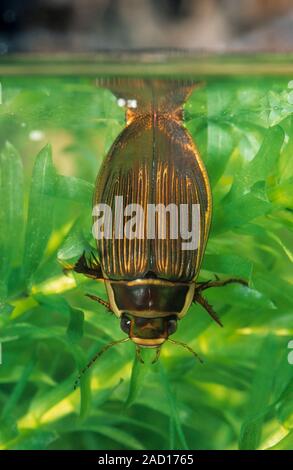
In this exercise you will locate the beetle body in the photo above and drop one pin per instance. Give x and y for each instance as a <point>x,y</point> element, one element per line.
<point>153,161</point>
<point>151,281</point>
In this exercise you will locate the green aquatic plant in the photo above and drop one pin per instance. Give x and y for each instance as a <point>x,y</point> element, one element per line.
<point>241,397</point>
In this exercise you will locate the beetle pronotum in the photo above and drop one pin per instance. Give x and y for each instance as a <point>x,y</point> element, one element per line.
<point>151,283</point>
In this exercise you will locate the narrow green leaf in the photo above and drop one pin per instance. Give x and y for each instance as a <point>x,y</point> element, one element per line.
<point>54,302</point>
<point>74,244</point>
<point>73,336</point>
<point>174,416</point>
<point>16,393</point>
<point>46,400</point>
<point>230,264</point>
<point>238,213</point>
<point>85,396</point>
<point>6,309</point>
<point>33,440</point>
<point>75,326</point>
<point>8,429</point>
<point>40,212</point>
<point>285,405</point>
<point>138,376</point>
<point>260,394</point>
<point>263,164</point>
<point>220,146</point>
<point>125,439</point>
<point>75,189</point>
<point>11,211</point>
<point>284,444</point>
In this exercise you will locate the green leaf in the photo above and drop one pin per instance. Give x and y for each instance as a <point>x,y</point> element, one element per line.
<point>174,416</point>
<point>45,400</point>
<point>16,393</point>
<point>260,394</point>
<point>85,396</point>
<point>138,376</point>
<point>40,211</point>
<point>238,213</point>
<point>33,440</point>
<point>8,429</point>
<point>285,404</point>
<point>54,302</point>
<point>263,164</point>
<point>75,326</point>
<point>284,444</point>
<point>125,439</point>
<point>74,244</point>
<point>11,212</point>
<point>220,146</point>
<point>75,189</point>
<point>230,264</point>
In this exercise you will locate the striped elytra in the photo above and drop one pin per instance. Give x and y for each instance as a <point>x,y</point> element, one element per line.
<point>154,161</point>
<point>151,281</point>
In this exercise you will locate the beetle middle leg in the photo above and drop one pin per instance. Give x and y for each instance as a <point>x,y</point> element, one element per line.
<point>100,301</point>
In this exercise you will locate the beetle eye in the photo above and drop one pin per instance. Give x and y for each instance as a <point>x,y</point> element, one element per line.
<point>125,323</point>
<point>171,326</point>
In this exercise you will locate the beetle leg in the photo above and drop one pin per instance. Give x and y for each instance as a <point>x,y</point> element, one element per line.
<point>89,267</point>
<point>207,285</point>
<point>220,283</point>
<point>101,301</point>
<point>204,303</point>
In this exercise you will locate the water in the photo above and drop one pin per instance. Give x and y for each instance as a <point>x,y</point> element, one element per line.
<point>241,120</point>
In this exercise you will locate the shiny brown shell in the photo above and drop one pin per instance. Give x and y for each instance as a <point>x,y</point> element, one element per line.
<point>154,160</point>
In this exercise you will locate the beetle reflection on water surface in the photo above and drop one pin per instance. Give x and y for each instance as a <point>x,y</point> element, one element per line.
<point>151,283</point>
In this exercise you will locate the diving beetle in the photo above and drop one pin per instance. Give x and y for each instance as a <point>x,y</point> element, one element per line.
<point>151,283</point>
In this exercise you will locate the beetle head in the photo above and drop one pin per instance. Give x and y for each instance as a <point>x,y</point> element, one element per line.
<point>144,332</point>
<point>148,332</point>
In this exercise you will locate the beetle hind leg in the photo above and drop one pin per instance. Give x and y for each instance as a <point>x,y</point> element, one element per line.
<point>90,267</point>
<point>198,298</point>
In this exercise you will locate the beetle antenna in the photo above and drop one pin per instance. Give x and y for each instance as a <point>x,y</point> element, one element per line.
<point>95,357</point>
<point>184,345</point>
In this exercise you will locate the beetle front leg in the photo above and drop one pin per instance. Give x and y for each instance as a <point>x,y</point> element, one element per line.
<point>89,267</point>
